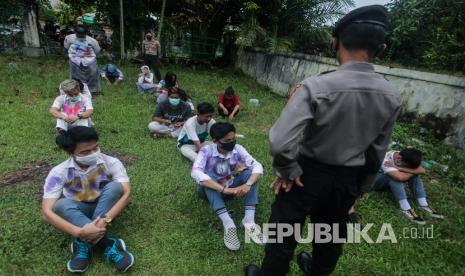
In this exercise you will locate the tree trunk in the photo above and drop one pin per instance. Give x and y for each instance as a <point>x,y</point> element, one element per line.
<point>30,27</point>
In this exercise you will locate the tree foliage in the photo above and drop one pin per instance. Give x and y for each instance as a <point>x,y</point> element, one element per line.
<point>428,33</point>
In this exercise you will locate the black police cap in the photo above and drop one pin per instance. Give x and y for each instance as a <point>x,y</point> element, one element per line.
<point>374,14</point>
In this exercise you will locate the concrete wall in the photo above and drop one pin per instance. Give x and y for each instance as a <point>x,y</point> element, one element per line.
<point>433,100</point>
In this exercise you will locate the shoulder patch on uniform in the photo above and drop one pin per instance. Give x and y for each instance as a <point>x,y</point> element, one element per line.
<point>326,72</point>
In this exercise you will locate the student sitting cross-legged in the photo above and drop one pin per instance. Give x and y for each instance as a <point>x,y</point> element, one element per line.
<point>195,131</point>
<point>72,108</point>
<point>400,167</point>
<point>213,171</point>
<point>228,104</point>
<point>170,116</point>
<point>83,195</point>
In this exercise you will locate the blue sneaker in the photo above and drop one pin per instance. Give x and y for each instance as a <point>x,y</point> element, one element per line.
<point>118,255</point>
<point>80,258</point>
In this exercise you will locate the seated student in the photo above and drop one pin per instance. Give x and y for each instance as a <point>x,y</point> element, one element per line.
<point>83,88</point>
<point>187,99</point>
<point>170,116</point>
<point>398,168</point>
<point>145,80</point>
<point>213,171</point>
<point>112,74</point>
<point>170,80</point>
<point>195,131</point>
<point>228,103</point>
<point>83,195</point>
<point>71,109</point>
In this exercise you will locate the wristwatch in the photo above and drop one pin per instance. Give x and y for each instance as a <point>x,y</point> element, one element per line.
<point>249,184</point>
<point>79,116</point>
<point>107,219</point>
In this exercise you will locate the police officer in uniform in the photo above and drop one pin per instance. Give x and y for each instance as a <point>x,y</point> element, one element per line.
<point>329,141</point>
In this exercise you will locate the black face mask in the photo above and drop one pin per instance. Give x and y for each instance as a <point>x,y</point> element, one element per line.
<point>149,37</point>
<point>228,146</point>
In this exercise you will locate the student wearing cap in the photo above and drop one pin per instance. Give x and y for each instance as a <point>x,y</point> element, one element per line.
<point>112,74</point>
<point>82,86</point>
<point>328,143</point>
<point>72,108</point>
<point>228,103</point>
<point>145,81</point>
<point>82,53</point>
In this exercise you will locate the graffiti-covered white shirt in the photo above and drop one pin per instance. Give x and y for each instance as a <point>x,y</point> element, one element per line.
<point>211,164</point>
<point>83,185</point>
<point>81,51</point>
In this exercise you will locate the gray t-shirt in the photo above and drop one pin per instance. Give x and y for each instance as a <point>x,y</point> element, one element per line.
<point>181,113</point>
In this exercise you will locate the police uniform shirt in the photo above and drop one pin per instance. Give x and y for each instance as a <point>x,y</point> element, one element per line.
<point>340,113</point>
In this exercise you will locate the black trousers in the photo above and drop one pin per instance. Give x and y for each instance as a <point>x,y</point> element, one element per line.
<point>154,64</point>
<point>230,110</point>
<point>327,195</point>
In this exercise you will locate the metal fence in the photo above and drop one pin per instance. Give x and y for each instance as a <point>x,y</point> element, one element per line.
<point>190,48</point>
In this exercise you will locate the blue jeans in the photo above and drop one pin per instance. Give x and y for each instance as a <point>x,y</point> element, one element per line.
<point>216,199</point>
<point>80,213</point>
<point>384,181</point>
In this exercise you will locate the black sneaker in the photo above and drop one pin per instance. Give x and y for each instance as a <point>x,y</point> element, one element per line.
<point>117,254</point>
<point>413,217</point>
<point>80,256</point>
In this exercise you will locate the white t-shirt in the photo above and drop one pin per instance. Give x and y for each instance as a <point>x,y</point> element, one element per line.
<point>63,104</point>
<point>193,131</point>
<point>145,79</point>
<point>74,183</point>
<point>389,157</point>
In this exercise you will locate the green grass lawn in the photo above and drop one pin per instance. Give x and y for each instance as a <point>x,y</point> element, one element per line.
<point>169,230</point>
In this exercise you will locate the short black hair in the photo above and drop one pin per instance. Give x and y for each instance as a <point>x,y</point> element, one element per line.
<point>229,91</point>
<point>367,37</point>
<point>81,29</point>
<point>170,79</point>
<point>411,157</point>
<point>205,108</point>
<point>220,130</point>
<point>68,140</point>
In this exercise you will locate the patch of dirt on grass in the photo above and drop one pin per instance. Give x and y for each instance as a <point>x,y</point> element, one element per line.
<point>126,158</point>
<point>32,174</point>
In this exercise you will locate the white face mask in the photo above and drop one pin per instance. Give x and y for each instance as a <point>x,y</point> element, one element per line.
<point>88,160</point>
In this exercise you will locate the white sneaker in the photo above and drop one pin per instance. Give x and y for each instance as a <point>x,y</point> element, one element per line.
<point>431,212</point>
<point>254,233</point>
<point>231,240</point>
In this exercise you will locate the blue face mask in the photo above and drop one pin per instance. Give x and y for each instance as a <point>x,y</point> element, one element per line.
<point>174,102</point>
<point>74,99</point>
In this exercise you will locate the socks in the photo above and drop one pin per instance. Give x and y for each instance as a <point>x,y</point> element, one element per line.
<point>404,205</point>
<point>249,218</point>
<point>422,201</point>
<point>104,243</point>
<point>225,218</point>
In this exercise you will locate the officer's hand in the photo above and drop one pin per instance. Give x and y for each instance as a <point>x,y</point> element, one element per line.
<point>279,183</point>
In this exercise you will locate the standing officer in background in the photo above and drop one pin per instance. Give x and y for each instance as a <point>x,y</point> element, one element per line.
<point>151,49</point>
<point>346,117</point>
